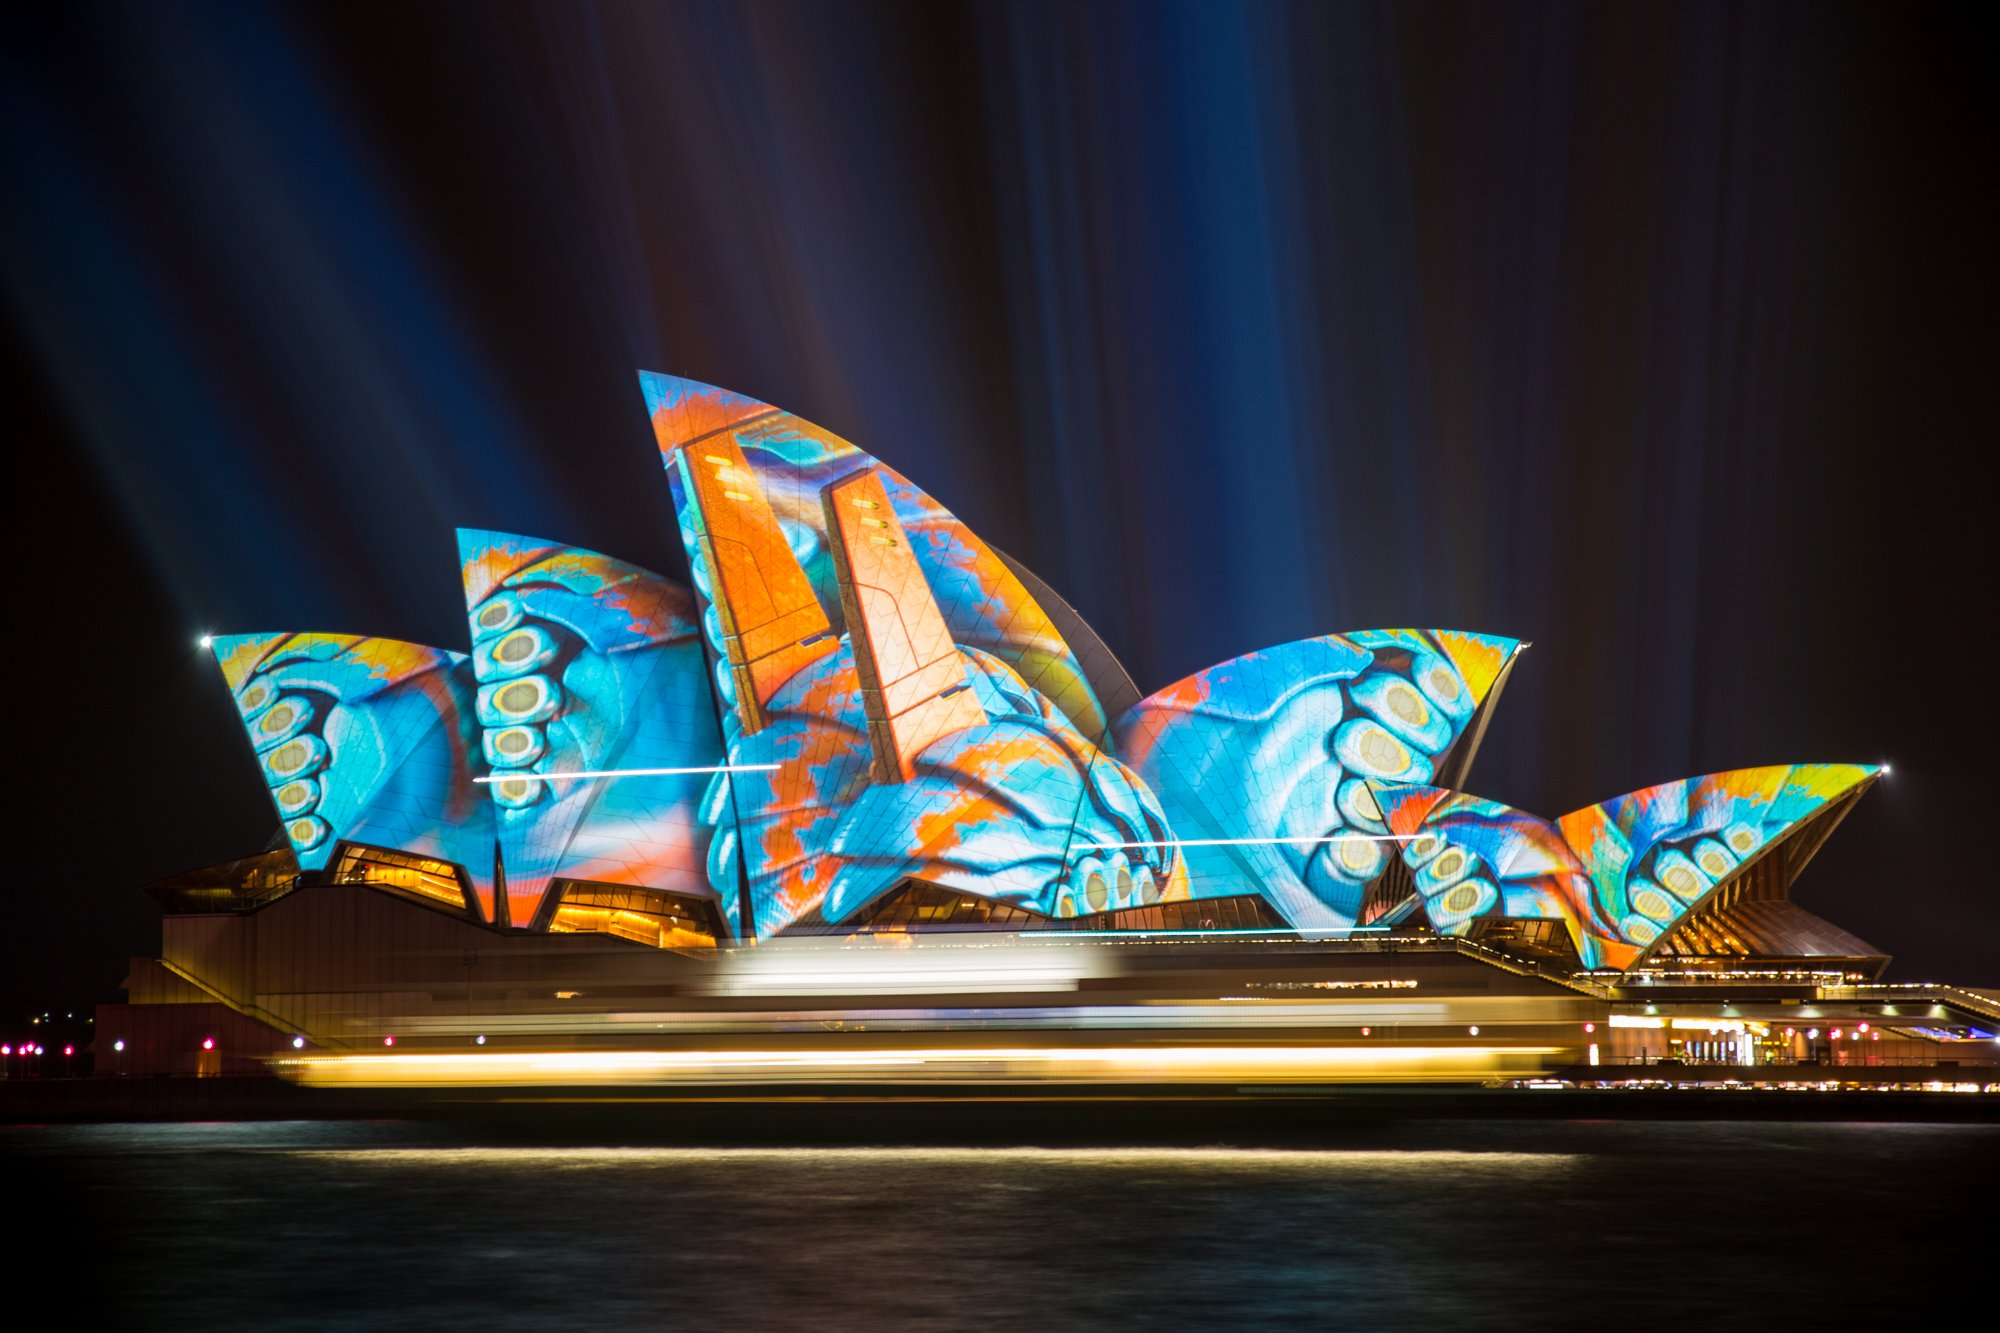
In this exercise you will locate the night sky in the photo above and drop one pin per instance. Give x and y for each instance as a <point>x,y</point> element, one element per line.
<point>1660,335</point>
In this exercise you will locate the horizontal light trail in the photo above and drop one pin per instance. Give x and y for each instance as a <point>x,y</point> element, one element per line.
<point>1349,1009</point>
<point>1168,1064</point>
<point>1255,842</point>
<point>628,772</point>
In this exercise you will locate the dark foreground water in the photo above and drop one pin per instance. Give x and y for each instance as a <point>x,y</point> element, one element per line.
<point>1440,1224</point>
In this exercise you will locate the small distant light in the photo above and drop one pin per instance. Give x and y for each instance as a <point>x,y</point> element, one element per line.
<point>1874,1036</point>
<point>1860,1027</point>
<point>207,641</point>
<point>479,1040</point>
<point>69,1050</point>
<point>1885,770</point>
<point>6,1050</point>
<point>1590,1027</point>
<point>389,1040</point>
<point>118,1045</point>
<point>1474,1029</point>
<point>298,1043</point>
<point>1366,1031</point>
<point>38,1048</point>
<point>208,1043</point>
<point>1812,1034</point>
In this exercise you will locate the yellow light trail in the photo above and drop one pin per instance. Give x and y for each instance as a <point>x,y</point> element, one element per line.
<point>1148,1064</point>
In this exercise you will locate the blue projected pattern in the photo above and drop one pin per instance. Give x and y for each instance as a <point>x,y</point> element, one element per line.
<point>1620,874</point>
<point>368,741</point>
<point>586,664</point>
<point>1282,743</point>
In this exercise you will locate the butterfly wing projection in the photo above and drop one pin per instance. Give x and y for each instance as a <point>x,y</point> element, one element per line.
<point>586,664</point>
<point>1471,858</point>
<point>895,704</point>
<point>1281,744</point>
<point>1620,874</point>
<point>367,741</point>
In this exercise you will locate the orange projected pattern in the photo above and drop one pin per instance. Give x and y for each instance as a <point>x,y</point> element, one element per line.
<point>772,624</point>
<point>984,604</point>
<point>913,686</point>
<point>944,762</point>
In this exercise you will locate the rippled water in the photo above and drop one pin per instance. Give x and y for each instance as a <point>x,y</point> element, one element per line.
<point>1438,1224</point>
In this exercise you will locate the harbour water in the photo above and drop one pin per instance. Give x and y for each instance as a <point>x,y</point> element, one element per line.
<point>1433,1224</point>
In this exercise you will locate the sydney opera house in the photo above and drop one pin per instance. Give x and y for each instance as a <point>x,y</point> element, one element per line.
<point>870,800</point>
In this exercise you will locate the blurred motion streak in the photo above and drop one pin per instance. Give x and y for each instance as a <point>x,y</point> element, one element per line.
<point>1010,1064</point>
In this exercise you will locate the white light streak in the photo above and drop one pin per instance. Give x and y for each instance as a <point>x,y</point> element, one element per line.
<point>1256,842</point>
<point>627,773</point>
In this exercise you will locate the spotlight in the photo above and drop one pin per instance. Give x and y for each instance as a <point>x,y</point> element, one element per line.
<point>206,641</point>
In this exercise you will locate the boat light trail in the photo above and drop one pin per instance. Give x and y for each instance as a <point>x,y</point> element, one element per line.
<point>1008,1064</point>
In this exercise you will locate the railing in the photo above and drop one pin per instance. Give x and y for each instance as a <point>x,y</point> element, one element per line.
<point>1903,993</point>
<point>244,1007</point>
<point>1873,1062</point>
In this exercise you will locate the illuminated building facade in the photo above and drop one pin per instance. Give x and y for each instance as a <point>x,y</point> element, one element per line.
<point>862,721</point>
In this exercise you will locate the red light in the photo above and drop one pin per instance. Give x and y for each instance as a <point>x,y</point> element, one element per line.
<point>1836,1034</point>
<point>1590,1027</point>
<point>6,1050</point>
<point>1861,1027</point>
<point>69,1050</point>
<point>1365,1031</point>
<point>208,1043</point>
<point>389,1041</point>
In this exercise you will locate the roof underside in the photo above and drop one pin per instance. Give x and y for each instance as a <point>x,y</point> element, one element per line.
<point>1763,928</point>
